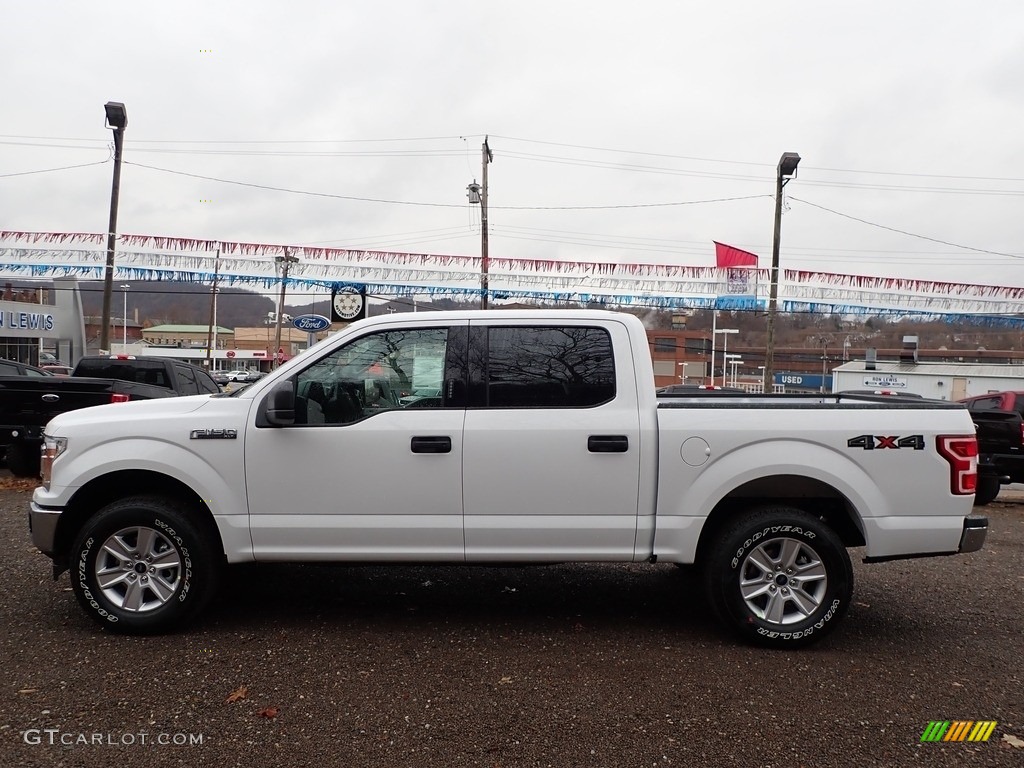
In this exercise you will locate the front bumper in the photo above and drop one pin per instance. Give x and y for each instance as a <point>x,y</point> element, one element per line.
<point>975,531</point>
<point>42,524</point>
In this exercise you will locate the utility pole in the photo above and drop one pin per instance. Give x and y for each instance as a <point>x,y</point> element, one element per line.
<point>285,261</point>
<point>484,264</point>
<point>212,335</point>
<point>117,120</point>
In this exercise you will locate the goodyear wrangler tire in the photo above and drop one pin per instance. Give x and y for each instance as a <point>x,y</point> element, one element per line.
<point>140,566</point>
<point>779,577</point>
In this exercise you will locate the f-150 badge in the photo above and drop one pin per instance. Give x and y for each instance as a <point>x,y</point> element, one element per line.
<point>213,434</point>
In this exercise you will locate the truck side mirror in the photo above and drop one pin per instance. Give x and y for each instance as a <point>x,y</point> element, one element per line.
<point>280,405</point>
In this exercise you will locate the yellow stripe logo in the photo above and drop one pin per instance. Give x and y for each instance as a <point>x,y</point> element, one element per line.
<point>959,730</point>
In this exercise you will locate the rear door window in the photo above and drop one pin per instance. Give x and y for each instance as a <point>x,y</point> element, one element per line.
<point>542,367</point>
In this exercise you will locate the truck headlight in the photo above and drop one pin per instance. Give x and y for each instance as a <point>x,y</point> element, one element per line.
<point>52,448</point>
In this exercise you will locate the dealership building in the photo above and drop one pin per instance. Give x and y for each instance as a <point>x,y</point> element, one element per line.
<point>37,319</point>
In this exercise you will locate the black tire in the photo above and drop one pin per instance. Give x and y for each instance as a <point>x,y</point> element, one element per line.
<point>987,490</point>
<point>143,596</point>
<point>749,572</point>
<point>23,459</point>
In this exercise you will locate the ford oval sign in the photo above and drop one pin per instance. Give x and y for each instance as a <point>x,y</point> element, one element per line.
<point>311,323</point>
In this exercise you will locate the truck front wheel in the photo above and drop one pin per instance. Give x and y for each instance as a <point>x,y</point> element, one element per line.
<point>141,566</point>
<point>779,577</point>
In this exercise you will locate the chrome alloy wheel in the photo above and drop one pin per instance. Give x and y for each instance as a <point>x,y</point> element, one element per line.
<point>783,581</point>
<point>138,569</point>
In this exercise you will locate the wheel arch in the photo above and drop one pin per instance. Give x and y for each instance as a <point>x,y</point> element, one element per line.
<point>811,495</point>
<point>106,489</point>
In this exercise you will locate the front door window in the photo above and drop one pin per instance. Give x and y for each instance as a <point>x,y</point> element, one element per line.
<point>375,373</point>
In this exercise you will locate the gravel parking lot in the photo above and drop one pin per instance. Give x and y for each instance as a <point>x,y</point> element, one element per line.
<point>555,666</point>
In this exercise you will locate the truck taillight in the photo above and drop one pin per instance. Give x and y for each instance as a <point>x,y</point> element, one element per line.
<point>961,451</point>
<point>117,397</point>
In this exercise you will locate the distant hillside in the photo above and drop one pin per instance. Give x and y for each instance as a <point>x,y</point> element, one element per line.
<point>157,303</point>
<point>185,303</point>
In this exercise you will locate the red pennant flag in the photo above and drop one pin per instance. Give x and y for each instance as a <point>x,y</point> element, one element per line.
<point>727,256</point>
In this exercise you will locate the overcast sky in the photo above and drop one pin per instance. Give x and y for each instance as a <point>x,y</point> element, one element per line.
<point>907,115</point>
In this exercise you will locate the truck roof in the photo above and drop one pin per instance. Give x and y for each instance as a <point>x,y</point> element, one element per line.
<point>503,314</point>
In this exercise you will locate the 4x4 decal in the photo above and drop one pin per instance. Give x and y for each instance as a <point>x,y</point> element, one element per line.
<point>870,442</point>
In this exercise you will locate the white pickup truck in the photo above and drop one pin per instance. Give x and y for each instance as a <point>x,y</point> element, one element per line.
<point>519,436</point>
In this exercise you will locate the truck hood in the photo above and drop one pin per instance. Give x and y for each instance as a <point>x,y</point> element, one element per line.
<point>136,413</point>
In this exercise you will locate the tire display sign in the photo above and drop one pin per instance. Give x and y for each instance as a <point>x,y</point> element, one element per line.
<point>348,303</point>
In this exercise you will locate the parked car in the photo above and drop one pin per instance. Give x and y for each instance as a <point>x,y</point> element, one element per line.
<point>547,445</point>
<point>14,368</point>
<point>243,374</point>
<point>58,370</point>
<point>999,420</point>
<point>424,397</point>
<point>221,377</point>
<point>879,393</point>
<point>696,389</point>
<point>28,401</point>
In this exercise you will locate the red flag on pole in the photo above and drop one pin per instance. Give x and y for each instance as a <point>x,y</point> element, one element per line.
<point>727,256</point>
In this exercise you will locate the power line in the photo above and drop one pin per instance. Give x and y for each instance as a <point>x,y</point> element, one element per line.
<point>51,170</point>
<point>632,168</point>
<point>554,159</point>
<point>905,232</point>
<point>136,142</point>
<point>438,205</point>
<point>294,191</point>
<point>759,165</point>
<point>248,141</point>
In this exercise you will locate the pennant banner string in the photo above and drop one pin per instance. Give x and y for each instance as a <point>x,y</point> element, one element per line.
<point>146,257</point>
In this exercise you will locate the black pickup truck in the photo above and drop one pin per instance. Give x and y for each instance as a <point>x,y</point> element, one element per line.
<point>27,403</point>
<point>999,421</point>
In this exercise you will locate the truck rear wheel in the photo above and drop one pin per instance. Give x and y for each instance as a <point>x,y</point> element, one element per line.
<point>779,577</point>
<point>23,459</point>
<point>140,566</point>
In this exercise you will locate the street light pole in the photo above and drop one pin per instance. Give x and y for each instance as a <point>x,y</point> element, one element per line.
<point>734,361</point>
<point>117,120</point>
<point>725,350</point>
<point>124,324</point>
<point>714,330</point>
<point>786,171</point>
<point>824,363</point>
